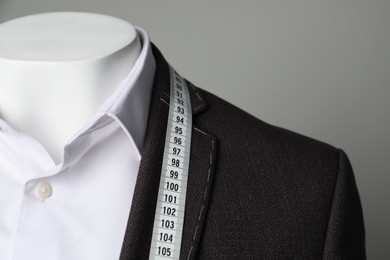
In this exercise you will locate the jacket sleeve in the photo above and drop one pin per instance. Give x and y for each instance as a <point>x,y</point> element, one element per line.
<point>345,236</point>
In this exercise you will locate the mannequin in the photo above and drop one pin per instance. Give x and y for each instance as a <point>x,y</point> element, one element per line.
<point>51,71</point>
<point>255,190</point>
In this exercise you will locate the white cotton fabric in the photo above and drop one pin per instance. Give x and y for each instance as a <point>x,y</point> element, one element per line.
<point>92,188</point>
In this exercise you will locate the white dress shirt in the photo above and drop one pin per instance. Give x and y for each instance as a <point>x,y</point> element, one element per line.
<point>79,208</point>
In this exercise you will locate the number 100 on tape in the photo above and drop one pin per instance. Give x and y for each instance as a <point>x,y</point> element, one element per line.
<point>169,217</point>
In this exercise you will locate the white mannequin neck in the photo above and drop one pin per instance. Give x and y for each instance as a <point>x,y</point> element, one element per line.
<point>57,69</point>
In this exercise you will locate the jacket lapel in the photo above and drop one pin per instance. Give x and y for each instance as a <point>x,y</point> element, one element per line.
<point>136,244</point>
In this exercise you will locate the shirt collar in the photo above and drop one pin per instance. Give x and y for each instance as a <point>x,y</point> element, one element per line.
<point>128,105</point>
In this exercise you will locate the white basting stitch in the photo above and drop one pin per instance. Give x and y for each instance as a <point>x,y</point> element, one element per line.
<point>196,92</point>
<point>200,131</point>
<point>188,257</point>
<point>164,101</point>
<point>200,214</point>
<point>166,94</point>
<point>204,195</point>
<point>196,231</point>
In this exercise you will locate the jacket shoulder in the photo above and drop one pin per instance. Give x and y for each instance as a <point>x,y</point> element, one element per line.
<point>241,131</point>
<point>274,185</point>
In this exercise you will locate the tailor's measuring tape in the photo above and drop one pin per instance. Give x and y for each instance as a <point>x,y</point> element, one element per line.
<point>169,217</point>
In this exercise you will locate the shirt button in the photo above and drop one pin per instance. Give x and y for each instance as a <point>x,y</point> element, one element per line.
<point>43,190</point>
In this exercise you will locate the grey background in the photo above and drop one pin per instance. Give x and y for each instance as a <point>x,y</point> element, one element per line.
<point>321,68</point>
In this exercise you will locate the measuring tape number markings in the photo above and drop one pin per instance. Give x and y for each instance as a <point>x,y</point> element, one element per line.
<point>169,216</point>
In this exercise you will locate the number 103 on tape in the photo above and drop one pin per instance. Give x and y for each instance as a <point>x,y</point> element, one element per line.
<point>169,217</point>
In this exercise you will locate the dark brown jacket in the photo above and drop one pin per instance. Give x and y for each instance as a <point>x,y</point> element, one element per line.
<point>255,191</point>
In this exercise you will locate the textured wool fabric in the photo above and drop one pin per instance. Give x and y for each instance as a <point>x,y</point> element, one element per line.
<point>255,191</point>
